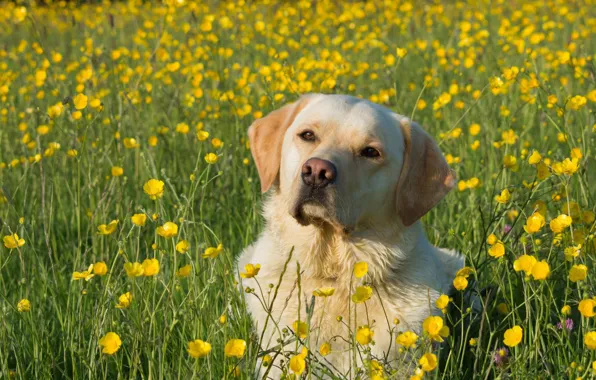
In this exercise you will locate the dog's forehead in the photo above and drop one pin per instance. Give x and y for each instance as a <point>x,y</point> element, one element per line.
<point>348,114</point>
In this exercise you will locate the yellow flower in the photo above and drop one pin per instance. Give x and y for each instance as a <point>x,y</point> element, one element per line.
<point>569,166</point>
<point>130,143</point>
<point>534,158</point>
<point>542,171</point>
<point>250,270</point>
<point>107,229</point>
<point>202,135</point>
<point>364,335</point>
<point>217,143</point>
<point>117,171</point>
<point>138,219</point>
<point>460,283</point>
<point>504,197</point>
<point>540,270</point>
<point>84,275</point>
<point>111,343</point>
<point>154,188</point>
<point>492,239</point>
<point>428,362</point>
<point>590,342</point>
<point>578,273</point>
<point>572,252</point>
<point>173,66</point>
<point>13,241</point>
<point>183,246</point>
<point>184,271</point>
<point>362,294</point>
<point>298,362</point>
<point>360,269</point>
<point>376,371</point>
<point>182,128</point>
<point>168,230</point>
<point>576,152</point>
<point>124,300</point>
<point>560,223</point>
<point>534,223</point>
<point>566,310</point>
<point>323,292</point>
<point>55,110</point>
<point>325,349</point>
<point>198,348</point>
<point>235,348</point>
<point>524,263</point>
<point>134,269</point>
<point>509,137</point>
<point>442,101</point>
<point>510,162</point>
<point>24,306</point>
<point>19,14</point>
<point>474,129</point>
<point>510,73</point>
<point>407,339</point>
<point>211,158</point>
<point>150,267</point>
<point>472,342</point>
<point>267,359</point>
<point>586,307</point>
<point>401,52</point>
<point>576,102</point>
<point>435,328</point>
<point>213,252</point>
<point>95,103</point>
<point>513,336</point>
<point>497,250</point>
<point>80,101</point>
<point>42,130</point>
<point>442,302</point>
<point>300,329</point>
<point>100,268</point>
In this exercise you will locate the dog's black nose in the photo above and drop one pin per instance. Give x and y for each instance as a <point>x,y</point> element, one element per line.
<point>318,173</point>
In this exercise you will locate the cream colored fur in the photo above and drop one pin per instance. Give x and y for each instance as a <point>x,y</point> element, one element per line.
<point>405,270</point>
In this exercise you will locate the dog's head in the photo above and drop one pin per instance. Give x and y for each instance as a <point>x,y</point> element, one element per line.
<point>345,161</point>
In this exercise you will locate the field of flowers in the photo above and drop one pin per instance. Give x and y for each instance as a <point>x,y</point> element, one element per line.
<point>127,188</point>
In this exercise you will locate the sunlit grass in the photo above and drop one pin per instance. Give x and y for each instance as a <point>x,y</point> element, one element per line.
<point>119,121</point>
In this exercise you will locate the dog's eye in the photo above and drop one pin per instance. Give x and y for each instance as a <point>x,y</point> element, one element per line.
<point>307,136</point>
<point>370,152</point>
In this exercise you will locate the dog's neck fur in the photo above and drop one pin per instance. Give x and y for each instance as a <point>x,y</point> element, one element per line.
<point>327,253</point>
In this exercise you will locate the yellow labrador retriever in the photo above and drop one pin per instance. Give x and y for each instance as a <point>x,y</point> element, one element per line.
<point>348,181</point>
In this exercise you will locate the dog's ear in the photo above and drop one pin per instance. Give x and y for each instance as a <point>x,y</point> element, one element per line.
<point>266,137</point>
<point>425,176</point>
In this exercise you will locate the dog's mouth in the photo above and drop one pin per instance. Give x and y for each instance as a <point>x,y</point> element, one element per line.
<point>313,206</point>
<point>309,211</point>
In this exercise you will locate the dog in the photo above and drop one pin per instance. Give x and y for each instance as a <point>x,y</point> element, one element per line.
<point>347,181</point>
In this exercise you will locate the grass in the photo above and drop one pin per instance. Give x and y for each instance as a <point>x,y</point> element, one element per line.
<point>494,83</point>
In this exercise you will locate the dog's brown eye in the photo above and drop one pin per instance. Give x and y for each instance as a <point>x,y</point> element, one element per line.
<point>370,152</point>
<point>307,136</point>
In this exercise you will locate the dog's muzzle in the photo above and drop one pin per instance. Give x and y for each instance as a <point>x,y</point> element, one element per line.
<point>317,176</point>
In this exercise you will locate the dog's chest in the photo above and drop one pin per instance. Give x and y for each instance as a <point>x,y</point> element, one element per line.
<point>337,315</point>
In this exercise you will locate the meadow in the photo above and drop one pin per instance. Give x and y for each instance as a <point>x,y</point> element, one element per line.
<point>127,188</point>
